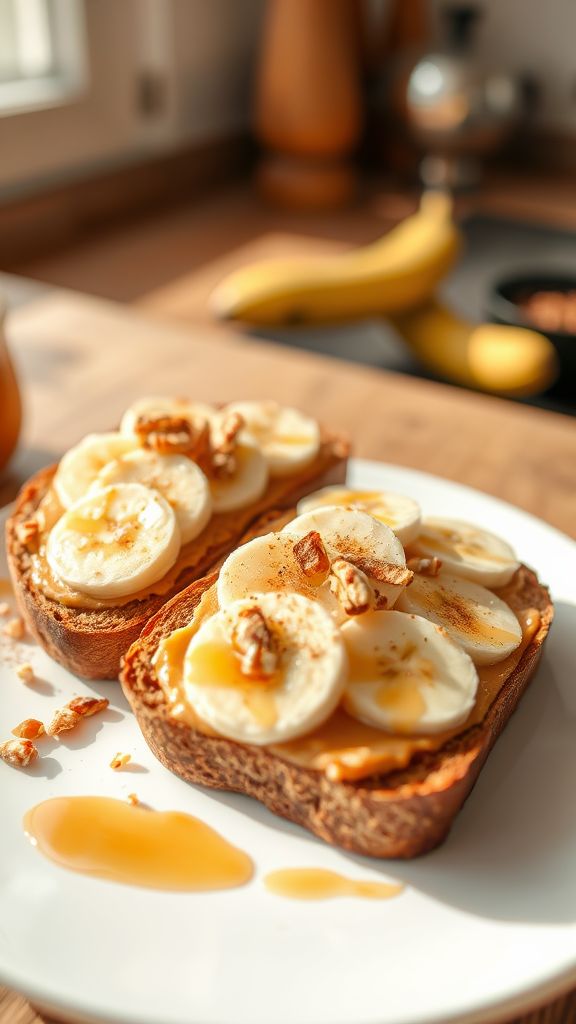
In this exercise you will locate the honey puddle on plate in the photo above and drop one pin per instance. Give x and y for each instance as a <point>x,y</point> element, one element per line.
<point>319,884</point>
<point>111,839</point>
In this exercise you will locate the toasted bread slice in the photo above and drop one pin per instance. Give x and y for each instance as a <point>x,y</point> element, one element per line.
<point>91,641</point>
<point>398,814</point>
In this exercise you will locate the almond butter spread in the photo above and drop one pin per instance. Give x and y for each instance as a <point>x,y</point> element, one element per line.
<point>200,554</point>
<point>343,747</point>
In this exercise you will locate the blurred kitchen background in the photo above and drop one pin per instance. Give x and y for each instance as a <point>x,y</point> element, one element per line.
<point>150,148</point>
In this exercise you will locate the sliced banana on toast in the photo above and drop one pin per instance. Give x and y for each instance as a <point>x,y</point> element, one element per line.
<point>80,466</point>
<point>114,542</point>
<point>288,439</point>
<point>266,669</point>
<point>399,512</point>
<point>484,625</point>
<point>406,674</point>
<point>176,477</point>
<point>468,551</point>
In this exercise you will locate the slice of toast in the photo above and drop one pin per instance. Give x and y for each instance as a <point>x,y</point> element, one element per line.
<point>90,642</point>
<point>396,814</point>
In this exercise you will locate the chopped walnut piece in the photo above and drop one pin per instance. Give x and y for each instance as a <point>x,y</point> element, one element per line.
<point>383,572</point>
<point>311,554</point>
<point>18,753</point>
<point>4,608</point>
<point>133,799</point>
<point>28,533</point>
<point>29,729</point>
<point>72,713</point>
<point>252,639</point>
<point>14,628</point>
<point>173,435</point>
<point>223,441</point>
<point>25,672</point>
<point>88,706</point>
<point>425,566</point>
<point>351,587</point>
<point>119,760</point>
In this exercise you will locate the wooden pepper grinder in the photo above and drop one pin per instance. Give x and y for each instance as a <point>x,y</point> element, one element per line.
<point>308,102</point>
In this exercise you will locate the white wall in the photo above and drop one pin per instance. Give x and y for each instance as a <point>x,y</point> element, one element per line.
<point>204,51</point>
<point>538,36</point>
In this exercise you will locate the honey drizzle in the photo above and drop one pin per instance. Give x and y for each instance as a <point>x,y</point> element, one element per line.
<point>320,884</point>
<point>343,747</point>
<point>110,839</point>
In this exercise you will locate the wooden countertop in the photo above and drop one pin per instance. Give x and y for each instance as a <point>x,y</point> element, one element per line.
<point>82,360</point>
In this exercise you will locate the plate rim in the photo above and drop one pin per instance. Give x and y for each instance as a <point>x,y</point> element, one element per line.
<point>496,1011</point>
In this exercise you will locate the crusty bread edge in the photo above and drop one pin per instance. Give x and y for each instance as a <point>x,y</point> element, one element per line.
<point>80,640</point>
<point>401,814</point>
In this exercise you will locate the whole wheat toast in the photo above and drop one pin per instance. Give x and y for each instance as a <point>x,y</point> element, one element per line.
<point>91,642</point>
<point>402,813</point>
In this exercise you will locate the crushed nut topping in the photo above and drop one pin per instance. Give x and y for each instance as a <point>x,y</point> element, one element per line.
<point>119,760</point>
<point>252,639</point>
<point>173,435</point>
<point>223,441</point>
<point>4,608</point>
<point>383,572</point>
<point>14,628</point>
<point>28,533</point>
<point>18,753</point>
<point>351,587</point>
<point>25,672</point>
<point>72,713</point>
<point>425,566</point>
<point>29,729</point>
<point>311,554</point>
<point>133,799</point>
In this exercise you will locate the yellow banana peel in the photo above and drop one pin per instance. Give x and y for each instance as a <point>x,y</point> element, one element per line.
<point>397,272</point>
<point>505,360</point>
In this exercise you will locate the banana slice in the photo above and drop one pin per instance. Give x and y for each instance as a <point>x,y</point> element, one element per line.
<point>246,484</point>
<point>178,479</point>
<point>468,551</point>
<point>406,675</point>
<point>363,541</point>
<point>267,564</point>
<point>400,513</point>
<point>114,542</point>
<point>288,439</point>
<point>484,626</point>
<point>305,668</point>
<point>163,405</point>
<point>80,466</point>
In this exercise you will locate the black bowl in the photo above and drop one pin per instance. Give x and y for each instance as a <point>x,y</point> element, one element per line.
<point>503,308</point>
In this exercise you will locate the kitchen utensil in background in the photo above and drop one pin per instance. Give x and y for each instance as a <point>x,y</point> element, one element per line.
<point>10,406</point>
<point>308,104</point>
<point>535,300</point>
<point>457,110</point>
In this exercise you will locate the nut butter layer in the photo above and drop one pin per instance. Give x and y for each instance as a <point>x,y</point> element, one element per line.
<point>400,812</point>
<point>90,638</point>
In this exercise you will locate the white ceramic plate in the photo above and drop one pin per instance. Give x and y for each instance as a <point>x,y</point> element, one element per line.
<point>485,928</point>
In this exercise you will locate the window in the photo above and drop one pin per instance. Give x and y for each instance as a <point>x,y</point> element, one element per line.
<point>42,53</point>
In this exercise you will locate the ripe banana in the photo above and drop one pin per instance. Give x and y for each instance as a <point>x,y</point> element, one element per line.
<point>178,479</point>
<point>492,357</point>
<point>406,674</point>
<point>289,440</point>
<point>115,541</point>
<point>79,467</point>
<point>481,623</point>
<point>246,484</point>
<point>467,551</point>
<point>395,273</point>
<point>298,687</point>
<point>400,513</point>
